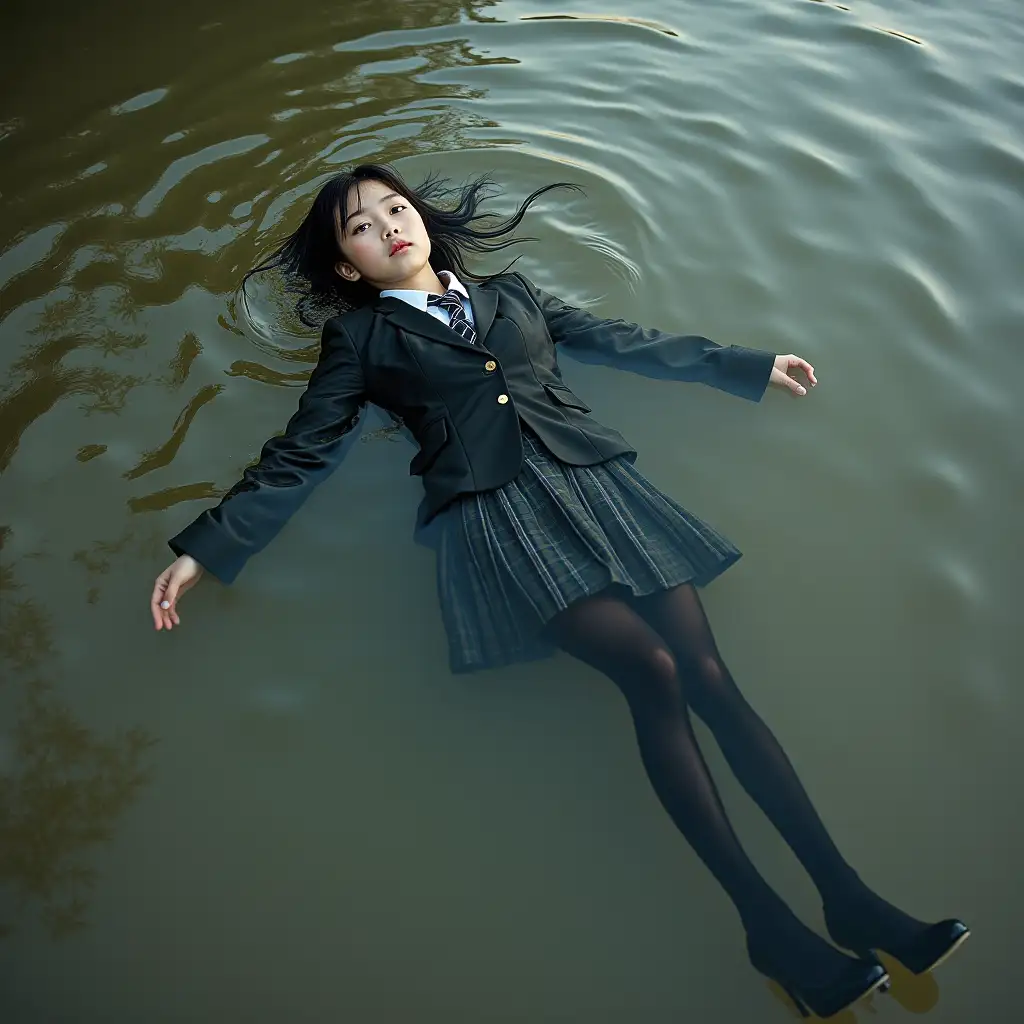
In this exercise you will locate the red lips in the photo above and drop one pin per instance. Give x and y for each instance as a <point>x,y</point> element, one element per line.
<point>399,246</point>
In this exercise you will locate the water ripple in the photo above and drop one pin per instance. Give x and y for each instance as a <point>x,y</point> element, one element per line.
<point>140,102</point>
<point>185,165</point>
<point>613,19</point>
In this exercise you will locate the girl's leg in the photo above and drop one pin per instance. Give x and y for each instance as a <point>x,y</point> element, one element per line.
<point>606,633</point>
<point>609,635</point>
<point>760,763</point>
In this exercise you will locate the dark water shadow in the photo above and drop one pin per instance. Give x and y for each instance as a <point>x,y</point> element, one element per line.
<point>63,787</point>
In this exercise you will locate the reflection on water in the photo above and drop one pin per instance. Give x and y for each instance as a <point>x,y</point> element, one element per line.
<point>823,178</point>
<point>39,378</point>
<point>62,787</point>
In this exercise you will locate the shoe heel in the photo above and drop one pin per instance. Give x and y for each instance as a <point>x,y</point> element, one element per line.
<point>865,954</point>
<point>797,1001</point>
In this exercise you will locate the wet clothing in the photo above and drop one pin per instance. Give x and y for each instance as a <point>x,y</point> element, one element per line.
<point>510,559</point>
<point>464,402</point>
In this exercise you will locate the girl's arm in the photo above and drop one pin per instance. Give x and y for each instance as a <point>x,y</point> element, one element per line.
<point>740,371</point>
<point>250,515</point>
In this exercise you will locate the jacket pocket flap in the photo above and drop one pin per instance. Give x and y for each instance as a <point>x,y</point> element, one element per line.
<point>561,394</point>
<point>432,438</point>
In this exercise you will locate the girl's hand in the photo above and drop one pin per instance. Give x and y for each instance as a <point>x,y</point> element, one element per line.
<point>180,576</point>
<point>783,374</point>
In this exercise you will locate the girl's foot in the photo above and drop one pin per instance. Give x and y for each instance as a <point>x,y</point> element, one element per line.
<point>863,922</point>
<point>816,976</point>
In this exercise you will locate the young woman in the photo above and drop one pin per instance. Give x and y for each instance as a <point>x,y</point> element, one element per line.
<point>548,535</point>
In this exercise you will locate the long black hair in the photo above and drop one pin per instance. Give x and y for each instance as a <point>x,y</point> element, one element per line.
<point>450,213</point>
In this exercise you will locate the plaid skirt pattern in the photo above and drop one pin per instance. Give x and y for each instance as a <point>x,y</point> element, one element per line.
<point>510,559</point>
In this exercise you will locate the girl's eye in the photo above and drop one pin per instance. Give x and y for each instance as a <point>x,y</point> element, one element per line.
<point>356,230</point>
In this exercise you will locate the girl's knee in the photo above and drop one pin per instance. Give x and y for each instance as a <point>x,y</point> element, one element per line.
<point>652,674</point>
<point>663,666</point>
<point>706,679</point>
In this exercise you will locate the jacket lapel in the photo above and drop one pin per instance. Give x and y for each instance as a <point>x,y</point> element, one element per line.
<point>483,301</point>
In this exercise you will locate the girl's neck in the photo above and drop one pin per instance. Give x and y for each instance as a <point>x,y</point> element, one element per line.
<point>424,280</point>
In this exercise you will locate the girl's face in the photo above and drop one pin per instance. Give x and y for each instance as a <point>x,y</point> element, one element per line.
<point>384,240</point>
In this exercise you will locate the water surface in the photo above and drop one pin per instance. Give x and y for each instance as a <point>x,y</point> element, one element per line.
<point>289,809</point>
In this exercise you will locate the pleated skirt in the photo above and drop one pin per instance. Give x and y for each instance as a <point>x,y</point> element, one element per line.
<point>510,559</point>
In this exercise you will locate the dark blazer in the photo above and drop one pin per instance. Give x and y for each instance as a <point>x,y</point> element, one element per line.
<point>462,402</point>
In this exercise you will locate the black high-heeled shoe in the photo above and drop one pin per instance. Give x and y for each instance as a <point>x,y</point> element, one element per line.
<point>822,982</point>
<point>919,951</point>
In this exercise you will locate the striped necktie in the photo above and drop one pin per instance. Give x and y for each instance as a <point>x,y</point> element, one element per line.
<point>451,303</point>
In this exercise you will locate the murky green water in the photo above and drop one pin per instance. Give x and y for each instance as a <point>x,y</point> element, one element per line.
<point>289,810</point>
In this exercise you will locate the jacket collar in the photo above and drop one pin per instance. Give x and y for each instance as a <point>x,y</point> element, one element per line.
<point>484,301</point>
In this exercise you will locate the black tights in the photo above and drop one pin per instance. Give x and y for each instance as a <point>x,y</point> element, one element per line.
<point>661,653</point>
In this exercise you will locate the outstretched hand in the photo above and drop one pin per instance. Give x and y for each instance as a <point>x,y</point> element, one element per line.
<point>180,576</point>
<point>784,374</point>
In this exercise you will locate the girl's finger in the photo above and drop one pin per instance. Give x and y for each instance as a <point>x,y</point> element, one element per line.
<point>807,368</point>
<point>154,602</point>
<point>174,588</point>
<point>792,384</point>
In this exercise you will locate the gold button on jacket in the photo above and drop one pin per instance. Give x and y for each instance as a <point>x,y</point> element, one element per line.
<point>502,399</point>
<point>490,366</point>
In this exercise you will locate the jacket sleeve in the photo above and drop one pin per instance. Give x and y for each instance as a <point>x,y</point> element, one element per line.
<point>684,357</point>
<point>254,510</point>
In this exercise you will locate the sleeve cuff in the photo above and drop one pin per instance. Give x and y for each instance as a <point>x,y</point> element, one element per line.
<point>204,541</point>
<point>750,371</point>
